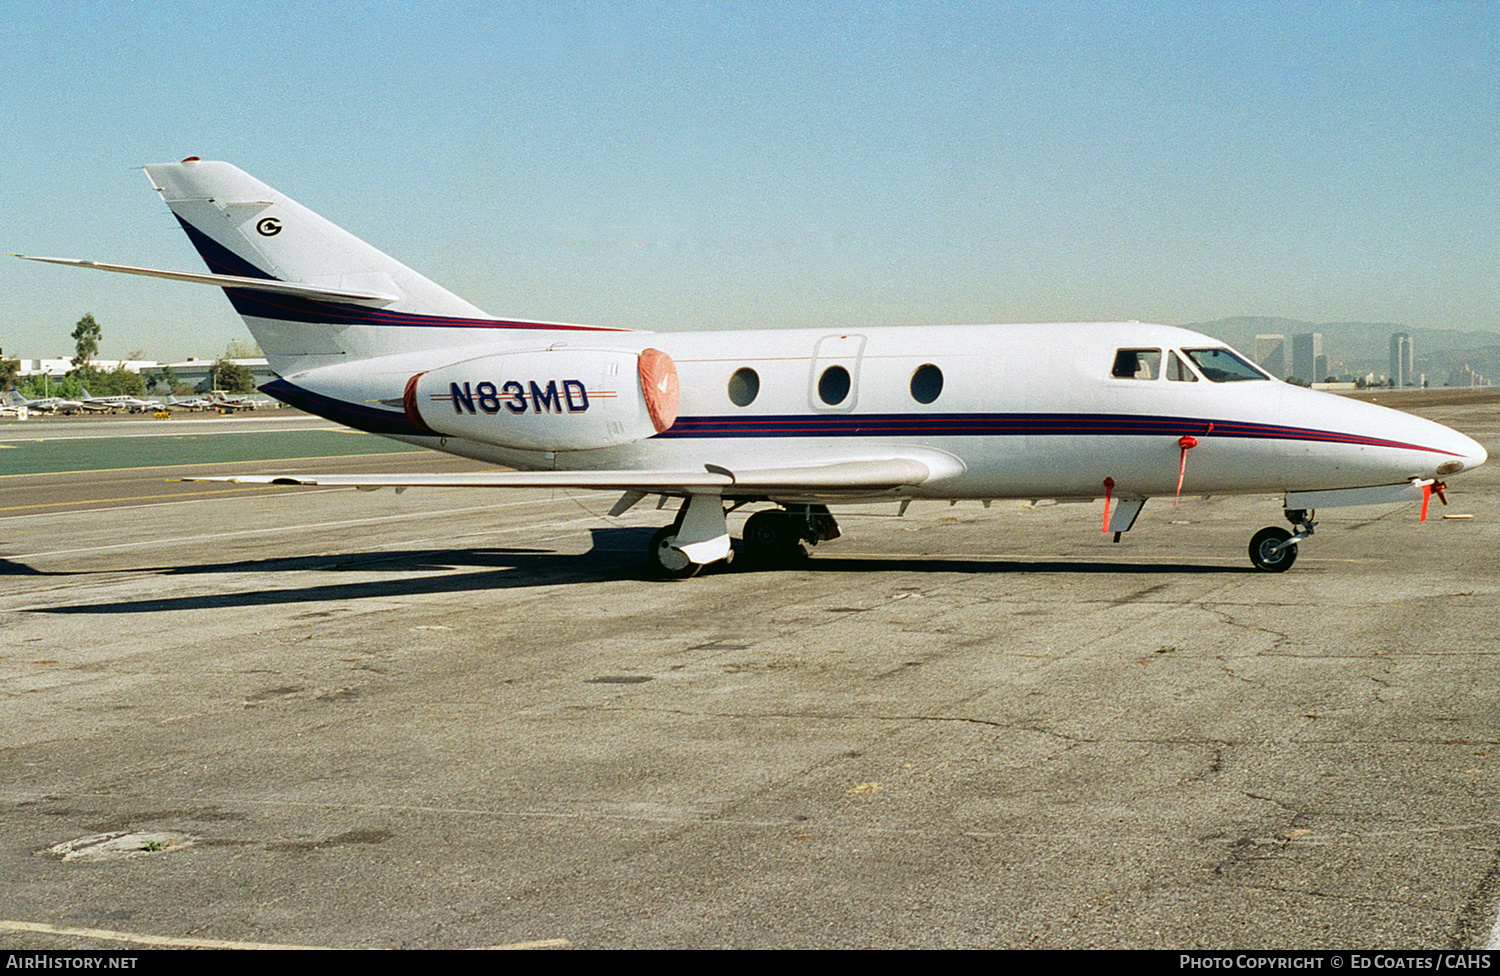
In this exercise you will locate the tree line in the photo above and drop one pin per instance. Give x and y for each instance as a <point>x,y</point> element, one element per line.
<point>225,374</point>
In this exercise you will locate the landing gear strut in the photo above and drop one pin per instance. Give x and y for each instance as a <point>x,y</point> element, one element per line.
<point>695,538</point>
<point>667,561</point>
<point>1274,549</point>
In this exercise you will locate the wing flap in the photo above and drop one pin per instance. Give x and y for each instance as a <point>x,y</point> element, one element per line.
<point>676,482</point>
<point>851,477</point>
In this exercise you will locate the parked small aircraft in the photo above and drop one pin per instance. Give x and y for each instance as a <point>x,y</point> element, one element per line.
<point>799,419</point>
<point>233,402</point>
<point>121,401</point>
<point>14,399</point>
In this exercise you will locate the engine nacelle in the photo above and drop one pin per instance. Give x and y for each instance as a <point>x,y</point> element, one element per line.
<point>563,399</point>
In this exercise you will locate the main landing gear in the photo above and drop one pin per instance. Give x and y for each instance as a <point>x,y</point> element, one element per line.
<point>667,561</point>
<point>774,537</point>
<point>1274,549</point>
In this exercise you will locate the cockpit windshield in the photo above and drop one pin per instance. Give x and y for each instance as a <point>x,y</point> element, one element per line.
<point>1223,366</point>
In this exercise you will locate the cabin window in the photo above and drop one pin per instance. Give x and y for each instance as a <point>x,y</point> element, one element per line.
<point>744,386</point>
<point>1178,371</point>
<point>1223,365</point>
<point>1137,364</point>
<point>926,383</point>
<point>833,385</point>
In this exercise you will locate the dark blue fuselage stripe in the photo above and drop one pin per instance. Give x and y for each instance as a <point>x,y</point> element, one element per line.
<point>1013,425</point>
<point>378,421</point>
<point>355,415</point>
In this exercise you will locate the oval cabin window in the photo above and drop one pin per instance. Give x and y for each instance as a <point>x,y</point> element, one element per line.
<point>744,387</point>
<point>926,383</point>
<point>833,385</point>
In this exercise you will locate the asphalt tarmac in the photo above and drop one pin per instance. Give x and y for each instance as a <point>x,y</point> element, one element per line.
<point>266,716</point>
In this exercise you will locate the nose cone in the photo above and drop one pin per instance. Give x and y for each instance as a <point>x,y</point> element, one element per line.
<point>1443,450</point>
<point>1471,454</point>
<point>1361,442</point>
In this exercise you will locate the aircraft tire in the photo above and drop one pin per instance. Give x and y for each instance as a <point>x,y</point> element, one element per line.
<point>1260,550</point>
<point>771,539</point>
<point>667,561</point>
<point>766,531</point>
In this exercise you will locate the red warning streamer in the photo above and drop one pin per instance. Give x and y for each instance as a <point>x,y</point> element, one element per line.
<point>1109,487</point>
<point>1187,442</point>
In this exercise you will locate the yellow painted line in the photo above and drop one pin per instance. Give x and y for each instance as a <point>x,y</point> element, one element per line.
<point>219,464</point>
<point>315,526</point>
<point>140,938</point>
<point>539,944</point>
<point>137,498</point>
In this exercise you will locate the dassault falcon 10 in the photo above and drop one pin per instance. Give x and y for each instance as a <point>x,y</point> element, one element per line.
<point>798,420</point>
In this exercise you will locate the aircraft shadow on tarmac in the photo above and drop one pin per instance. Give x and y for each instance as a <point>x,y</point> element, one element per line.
<point>616,555</point>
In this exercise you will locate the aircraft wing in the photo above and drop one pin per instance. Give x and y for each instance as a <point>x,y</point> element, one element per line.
<point>229,281</point>
<point>840,478</point>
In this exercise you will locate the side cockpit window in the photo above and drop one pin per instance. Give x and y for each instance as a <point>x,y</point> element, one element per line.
<point>1223,366</point>
<point>1137,364</point>
<point>1178,371</point>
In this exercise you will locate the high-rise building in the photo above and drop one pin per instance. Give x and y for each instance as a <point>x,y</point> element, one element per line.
<point>1270,354</point>
<point>1403,361</point>
<point>1465,375</point>
<point>1307,349</point>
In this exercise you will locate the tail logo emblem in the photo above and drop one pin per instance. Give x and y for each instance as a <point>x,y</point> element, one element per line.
<point>269,227</point>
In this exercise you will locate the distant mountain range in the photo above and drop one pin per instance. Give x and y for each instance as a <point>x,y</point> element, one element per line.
<point>1364,347</point>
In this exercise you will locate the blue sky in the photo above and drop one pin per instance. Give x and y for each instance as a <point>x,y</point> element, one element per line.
<point>725,165</point>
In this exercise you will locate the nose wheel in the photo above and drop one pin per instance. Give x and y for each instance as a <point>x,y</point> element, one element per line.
<point>1274,549</point>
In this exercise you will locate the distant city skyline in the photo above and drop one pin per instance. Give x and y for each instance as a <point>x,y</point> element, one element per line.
<point>1308,362</point>
<point>717,165</point>
<point>1403,360</point>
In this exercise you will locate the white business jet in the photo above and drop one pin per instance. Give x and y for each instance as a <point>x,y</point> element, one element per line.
<point>797,419</point>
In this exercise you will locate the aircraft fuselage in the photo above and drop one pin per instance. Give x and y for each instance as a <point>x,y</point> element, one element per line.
<point>1021,411</point>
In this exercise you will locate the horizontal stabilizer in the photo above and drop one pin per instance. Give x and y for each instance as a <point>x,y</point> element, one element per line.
<point>230,281</point>
<point>851,477</point>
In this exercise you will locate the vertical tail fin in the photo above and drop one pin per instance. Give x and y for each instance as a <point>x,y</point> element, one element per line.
<point>243,227</point>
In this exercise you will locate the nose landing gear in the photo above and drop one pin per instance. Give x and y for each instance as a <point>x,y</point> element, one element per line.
<point>1274,549</point>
